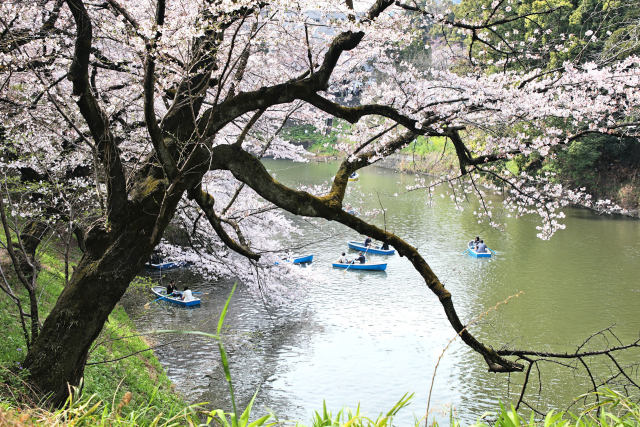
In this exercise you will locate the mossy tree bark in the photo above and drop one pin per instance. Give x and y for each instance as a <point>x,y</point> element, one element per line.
<point>57,358</point>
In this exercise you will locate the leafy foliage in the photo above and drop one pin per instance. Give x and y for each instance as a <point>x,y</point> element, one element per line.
<point>573,30</point>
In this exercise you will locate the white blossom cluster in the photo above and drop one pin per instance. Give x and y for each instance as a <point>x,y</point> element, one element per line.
<point>256,46</point>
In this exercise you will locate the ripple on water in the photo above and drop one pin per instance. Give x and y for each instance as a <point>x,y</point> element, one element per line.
<point>369,338</point>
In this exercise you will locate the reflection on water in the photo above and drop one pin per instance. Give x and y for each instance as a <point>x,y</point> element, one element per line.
<point>361,337</point>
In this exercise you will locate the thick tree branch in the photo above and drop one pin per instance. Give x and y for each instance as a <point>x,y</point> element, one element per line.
<point>206,202</point>
<point>95,118</point>
<point>218,116</point>
<point>248,169</point>
<point>166,159</point>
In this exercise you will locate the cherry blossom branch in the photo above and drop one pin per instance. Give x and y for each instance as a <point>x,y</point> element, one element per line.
<point>6,288</point>
<point>180,119</point>
<point>224,75</point>
<point>252,121</point>
<point>521,353</point>
<point>474,27</point>
<point>241,63</point>
<point>581,357</point>
<point>353,114</point>
<point>119,9</point>
<point>22,37</point>
<point>266,147</point>
<point>219,115</point>
<point>27,279</point>
<point>309,56</point>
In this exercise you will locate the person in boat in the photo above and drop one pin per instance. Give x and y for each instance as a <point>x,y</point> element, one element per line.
<point>343,259</point>
<point>385,246</point>
<point>474,243</point>
<point>367,241</point>
<point>481,247</point>
<point>156,258</point>
<point>361,258</point>
<point>171,288</point>
<point>353,175</point>
<point>187,295</point>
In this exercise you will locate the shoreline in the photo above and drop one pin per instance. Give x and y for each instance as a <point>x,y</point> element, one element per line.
<point>399,163</point>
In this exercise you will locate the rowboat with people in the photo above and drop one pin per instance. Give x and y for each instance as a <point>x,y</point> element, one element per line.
<point>377,250</point>
<point>471,250</point>
<point>175,298</point>
<point>352,266</point>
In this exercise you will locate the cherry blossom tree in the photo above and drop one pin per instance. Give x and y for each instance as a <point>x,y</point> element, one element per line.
<point>172,104</point>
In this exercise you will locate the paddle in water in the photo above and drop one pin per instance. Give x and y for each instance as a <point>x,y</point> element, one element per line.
<point>148,305</point>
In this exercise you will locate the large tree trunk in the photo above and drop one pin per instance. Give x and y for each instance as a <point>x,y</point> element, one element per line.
<point>57,358</point>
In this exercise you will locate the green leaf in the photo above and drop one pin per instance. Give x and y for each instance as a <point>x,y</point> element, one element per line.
<point>244,418</point>
<point>226,307</point>
<point>261,421</point>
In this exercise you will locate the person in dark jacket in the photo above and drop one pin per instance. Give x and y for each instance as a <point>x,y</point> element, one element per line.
<point>171,287</point>
<point>361,258</point>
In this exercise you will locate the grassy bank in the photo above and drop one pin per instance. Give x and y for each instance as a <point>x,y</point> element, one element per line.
<point>121,372</point>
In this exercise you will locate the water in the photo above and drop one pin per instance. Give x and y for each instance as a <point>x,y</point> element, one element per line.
<point>369,338</point>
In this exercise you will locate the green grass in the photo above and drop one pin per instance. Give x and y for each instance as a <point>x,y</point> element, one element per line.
<point>612,409</point>
<point>423,146</point>
<point>311,138</point>
<point>140,375</point>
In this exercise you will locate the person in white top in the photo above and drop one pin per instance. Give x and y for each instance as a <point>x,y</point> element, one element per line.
<point>187,295</point>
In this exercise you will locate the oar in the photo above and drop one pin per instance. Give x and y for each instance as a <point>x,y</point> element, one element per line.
<point>147,305</point>
<point>350,264</point>
<point>354,261</point>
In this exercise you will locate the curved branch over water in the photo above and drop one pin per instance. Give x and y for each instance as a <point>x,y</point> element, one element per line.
<point>248,169</point>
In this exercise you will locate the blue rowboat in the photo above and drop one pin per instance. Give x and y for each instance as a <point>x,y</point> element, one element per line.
<point>304,259</point>
<point>166,265</point>
<point>161,293</point>
<point>370,250</point>
<point>354,176</point>
<point>373,267</point>
<point>475,254</point>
